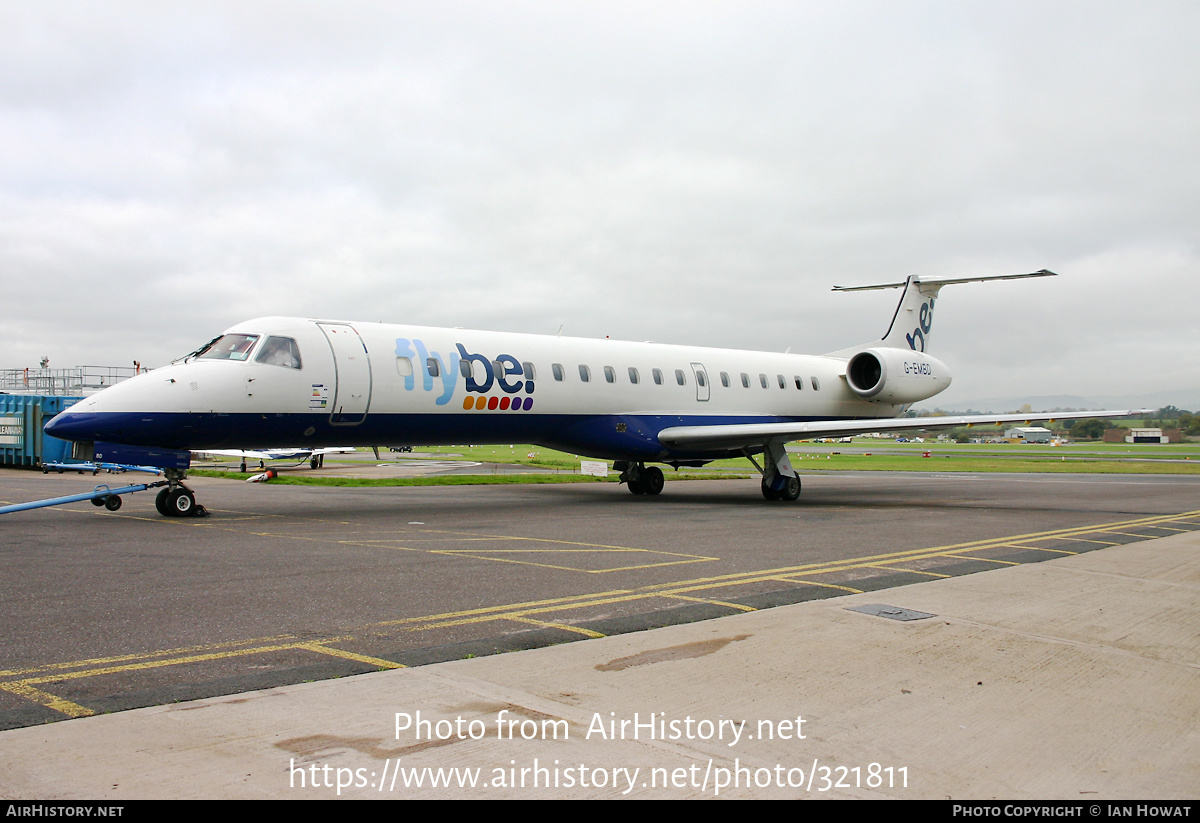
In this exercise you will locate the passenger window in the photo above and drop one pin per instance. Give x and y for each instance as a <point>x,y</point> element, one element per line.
<point>529,372</point>
<point>479,372</point>
<point>434,367</point>
<point>745,380</point>
<point>782,382</point>
<point>464,368</point>
<point>403,367</point>
<point>799,382</point>
<point>279,351</point>
<point>816,386</point>
<point>762,378</point>
<point>633,375</point>
<point>658,377</point>
<point>700,380</point>
<point>585,374</point>
<point>725,379</point>
<point>558,371</point>
<point>609,374</point>
<point>679,378</point>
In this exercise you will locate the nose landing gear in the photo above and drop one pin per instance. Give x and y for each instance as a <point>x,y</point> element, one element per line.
<point>177,500</point>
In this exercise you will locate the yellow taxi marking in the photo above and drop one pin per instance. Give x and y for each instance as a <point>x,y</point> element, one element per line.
<point>562,567</point>
<point>711,602</point>
<point>910,571</point>
<point>1037,548</point>
<point>985,560</point>
<point>48,700</point>
<point>1083,540</point>
<point>548,625</point>
<point>848,589</point>
<point>577,547</point>
<point>524,612</point>
<point>322,648</point>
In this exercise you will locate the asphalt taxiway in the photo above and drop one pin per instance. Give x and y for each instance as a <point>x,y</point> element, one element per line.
<point>283,585</point>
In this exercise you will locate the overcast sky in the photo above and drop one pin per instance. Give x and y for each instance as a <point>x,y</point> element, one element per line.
<point>691,172</point>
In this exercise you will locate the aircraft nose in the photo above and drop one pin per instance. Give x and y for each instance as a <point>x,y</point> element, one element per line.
<point>70,425</point>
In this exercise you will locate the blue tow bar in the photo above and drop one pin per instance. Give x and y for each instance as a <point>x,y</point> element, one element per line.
<point>102,495</point>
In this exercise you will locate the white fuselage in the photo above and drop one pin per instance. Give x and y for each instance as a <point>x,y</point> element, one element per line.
<point>380,384</point>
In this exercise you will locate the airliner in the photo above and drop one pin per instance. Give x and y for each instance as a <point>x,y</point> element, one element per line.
<point>283,382</point>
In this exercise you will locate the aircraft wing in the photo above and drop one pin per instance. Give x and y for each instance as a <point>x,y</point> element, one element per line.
<point>751,435</point>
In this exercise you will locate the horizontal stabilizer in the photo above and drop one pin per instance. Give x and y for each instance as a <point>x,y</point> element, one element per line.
<point>938,282</point>
<point>911,324</point>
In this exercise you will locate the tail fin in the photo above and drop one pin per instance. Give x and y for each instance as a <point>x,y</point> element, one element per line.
<point>911,324</point>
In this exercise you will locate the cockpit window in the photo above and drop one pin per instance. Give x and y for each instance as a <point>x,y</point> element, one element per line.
<point>280,351</point>
<point>230,347</point>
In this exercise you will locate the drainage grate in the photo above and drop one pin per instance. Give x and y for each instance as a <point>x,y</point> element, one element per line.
<point>890,612</point>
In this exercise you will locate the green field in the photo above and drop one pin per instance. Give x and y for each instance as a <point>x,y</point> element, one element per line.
<point>863,454</point>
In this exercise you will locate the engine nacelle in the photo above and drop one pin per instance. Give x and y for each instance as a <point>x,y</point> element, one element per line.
<point>896,376</point>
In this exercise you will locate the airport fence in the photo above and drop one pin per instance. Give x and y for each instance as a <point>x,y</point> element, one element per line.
<point>72,382</point>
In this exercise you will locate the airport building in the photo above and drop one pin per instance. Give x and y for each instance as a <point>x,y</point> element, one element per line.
<point>1150,435</point>
<point>1028,434</point>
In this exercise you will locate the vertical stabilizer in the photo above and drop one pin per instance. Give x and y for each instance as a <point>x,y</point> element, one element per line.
<point>911,324</point>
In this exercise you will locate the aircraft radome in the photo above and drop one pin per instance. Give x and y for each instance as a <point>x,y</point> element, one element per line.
<point>284,382</point>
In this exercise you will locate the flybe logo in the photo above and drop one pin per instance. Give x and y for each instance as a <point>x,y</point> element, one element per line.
<point>480,375</point>
<point>925,319</point>
<point>431,365</point>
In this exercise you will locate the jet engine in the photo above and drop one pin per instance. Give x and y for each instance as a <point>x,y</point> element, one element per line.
<point>896,376</point>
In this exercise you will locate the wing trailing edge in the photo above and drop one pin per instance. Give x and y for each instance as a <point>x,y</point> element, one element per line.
<point>758,435</point>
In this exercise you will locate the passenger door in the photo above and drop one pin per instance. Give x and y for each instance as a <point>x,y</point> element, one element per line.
<point>352,368</point>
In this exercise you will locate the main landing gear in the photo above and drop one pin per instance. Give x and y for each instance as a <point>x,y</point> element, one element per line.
<point>790,489</point>
<point>642,480</point>
<point>177,500</point>
<point>779,481</point>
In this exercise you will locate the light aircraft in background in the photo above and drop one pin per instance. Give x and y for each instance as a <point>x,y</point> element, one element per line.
<point>314,457</point>
<point>278,381</point>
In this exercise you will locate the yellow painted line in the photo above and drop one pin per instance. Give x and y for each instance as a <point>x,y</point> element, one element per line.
<point>46,699</point>
<point>911,571</point>
<point>514,562</point>
<point>321,648</point>
<point>483,611</point>
<point>560,567</point>
<point>154,664</point>
<point>829,586</point>
<point>984,559</point>
<point>575,568</point>
<point>550,551</point>
<point>697,559</point>
<point>474,535</point>
<point>711,602</point>
<point>521,612</point>
<point>1037,548</point>
<point>94,661</point>
<point>564,626</point>
<point>1085,540</point>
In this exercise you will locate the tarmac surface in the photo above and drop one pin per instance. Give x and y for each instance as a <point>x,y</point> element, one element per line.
<point>1076,678</point>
